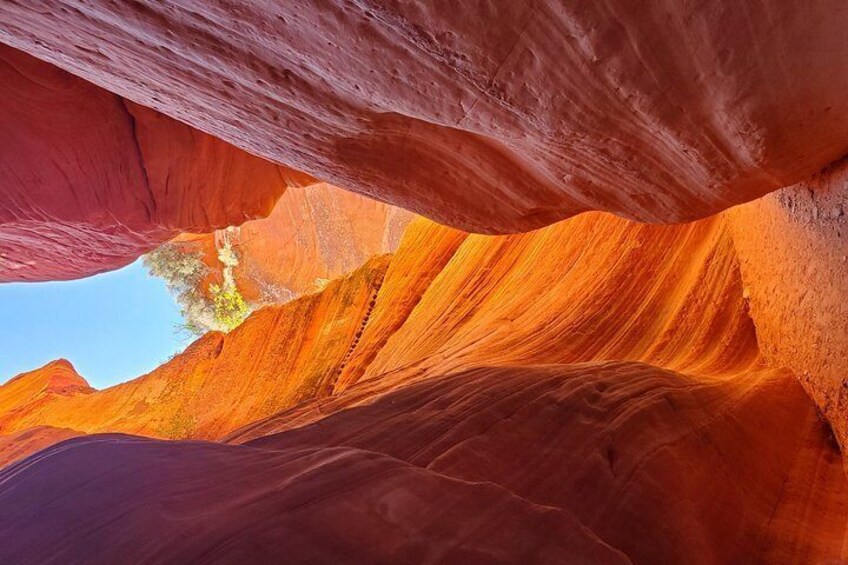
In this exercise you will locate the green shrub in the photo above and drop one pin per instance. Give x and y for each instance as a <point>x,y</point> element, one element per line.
<point>229,306</point>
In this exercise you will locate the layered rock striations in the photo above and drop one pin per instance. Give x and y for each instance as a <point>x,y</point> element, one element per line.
<point>446,301</point>
<point>280,357</point>
<point>595,389</point>
<point>662,466</point>
<point>311,237</point>
<point>54,380</point>
<point>491,117</point>
<point>34,392</point>
<point>603,462</point>
<point>91,181</point>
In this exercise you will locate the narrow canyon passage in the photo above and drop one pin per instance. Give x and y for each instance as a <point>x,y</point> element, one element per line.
<point>475,282</point>
<point>615,403</point>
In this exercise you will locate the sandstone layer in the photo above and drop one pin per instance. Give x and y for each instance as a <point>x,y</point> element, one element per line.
<point>491,117</point>
<point>89,181</point>
<point>609,462</point>
<point>311,237</point>
<point>54,380</point>
<point>33,392</point>
<point>590,392</point>
<point>666,295</point>
<point>793,248</point>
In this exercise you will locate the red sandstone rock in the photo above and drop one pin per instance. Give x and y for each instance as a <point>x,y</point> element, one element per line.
<point>472,383</point>
<point>665,467</point>
<point>591,463</point>
<point>264,506</point>
<point>35,391</point>
<point>494,117</point>
<point>88,182</point>
<point>670,296</point>
<point>281,356</point>
<point>793,248</point>
<point>313,235</point>
<point>45,384</point>
<point>19,445</point>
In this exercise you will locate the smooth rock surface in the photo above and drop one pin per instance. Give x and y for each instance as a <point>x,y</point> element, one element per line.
<point>487,116</point>
<point>311,237</point>
<point>591,463</point>
<point>88,181</point>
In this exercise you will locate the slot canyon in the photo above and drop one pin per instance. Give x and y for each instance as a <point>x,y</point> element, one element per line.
<point>465,282</point>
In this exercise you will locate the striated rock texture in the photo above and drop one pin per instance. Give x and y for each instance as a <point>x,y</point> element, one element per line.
<point>594,287</point>
<point>34,392</point>
<point>18,445</point>
<point>488,116</point>
<point>611,462</point>
<point>44,385</point>
<point>662,466</point>
<point>668,295</point>
<point>280,357</point>
<point>88,181</point>
<point>591,392</point>
<point>313,235</point>
<point>264,506</point>
<point>793,247</point>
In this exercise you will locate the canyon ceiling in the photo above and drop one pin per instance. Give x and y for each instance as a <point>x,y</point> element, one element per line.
<point>619,332</point>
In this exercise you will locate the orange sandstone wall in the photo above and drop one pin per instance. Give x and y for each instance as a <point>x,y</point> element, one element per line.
<point>591,288</point>
<point>793,248</point>
<point>594,388</point>
<point>312,236</point>
<point>670,296</point>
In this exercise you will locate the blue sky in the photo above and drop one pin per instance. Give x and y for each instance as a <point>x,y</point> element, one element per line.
<point>112,327</point>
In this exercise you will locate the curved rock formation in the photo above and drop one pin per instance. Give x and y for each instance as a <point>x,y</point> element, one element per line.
<point>323,506</point>
<point>593,463</point>
<point>595,391</point>
<point>662,466</point>
<point>593,287</point>
<point>594,388</point>
<point>537,111</point>
<point>43,385</point>
<point>280,357</point>
<point>793,247</point>
<point>33,392</point>
<point>19,445</point>
<point>670,296</point>
<point>88,181</point>
<point>312,236</point>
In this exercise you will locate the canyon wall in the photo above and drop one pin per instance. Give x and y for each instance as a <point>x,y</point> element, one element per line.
<point>457,302</point>
<point>595,388</point>
<point>90,181</point>
<point>311,237</point>
<point>491,117</point>
<point>793,248</point>
<point>447,301</point>
<point>280,357</point>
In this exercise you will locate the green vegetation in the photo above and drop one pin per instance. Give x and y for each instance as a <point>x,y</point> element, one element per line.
<point>230,309</point>
<point>183,273</point>
<point>220,307</point>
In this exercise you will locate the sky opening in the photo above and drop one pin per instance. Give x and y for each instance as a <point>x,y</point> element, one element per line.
<point>112,327</point>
